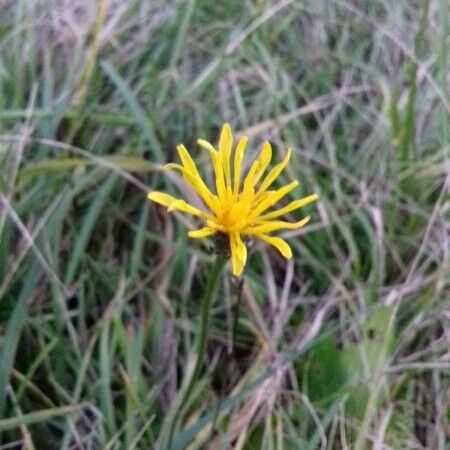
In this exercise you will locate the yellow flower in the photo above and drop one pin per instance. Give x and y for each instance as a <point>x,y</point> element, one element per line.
<point>236,208</point>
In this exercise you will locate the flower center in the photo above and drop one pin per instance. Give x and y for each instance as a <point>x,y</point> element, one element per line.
<point>233,215</point>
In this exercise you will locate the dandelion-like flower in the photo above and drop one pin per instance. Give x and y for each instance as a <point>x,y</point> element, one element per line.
<point>236,208</point>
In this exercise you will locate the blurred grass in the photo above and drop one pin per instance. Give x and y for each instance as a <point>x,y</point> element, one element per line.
<point>347,347</point>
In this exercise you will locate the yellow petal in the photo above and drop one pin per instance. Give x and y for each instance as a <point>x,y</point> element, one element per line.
<point>202,190</point>
<point>273,225</point>
<point>193,178</point>
<point>247,190</point>
<point>273,174</point>
<point>280,244</point>
<point>238,158</point>
<point>237,264</point>
<point>174,204</point>
<point>241,249</point>
<point>296,204</point>
<point>173,166</point>
<point>206,145</point>
<point>211,223</point>
<point>216,160</point>
<point>181,205</point>
<point>272,198</point>
<point>225,144</point>
<point>219,176</point>
<point>202,232</point>
<point>161,197</point>
<point>186,159</point>
<point>191,169</point>
<point>264,160</point>
<point>234,256</point>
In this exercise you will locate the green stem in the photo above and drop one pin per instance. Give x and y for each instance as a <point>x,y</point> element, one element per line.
<point>236,313</point>
<point>200,344</point>
<point>205,310</point>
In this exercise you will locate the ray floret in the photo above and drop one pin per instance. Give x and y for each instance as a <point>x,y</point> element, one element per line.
<point>239,204</point>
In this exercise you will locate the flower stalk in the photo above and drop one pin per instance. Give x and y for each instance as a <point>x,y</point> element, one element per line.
<point>205,312</point>
<point>200,343</point>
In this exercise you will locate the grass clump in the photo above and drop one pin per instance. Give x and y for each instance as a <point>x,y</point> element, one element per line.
<point>344,347</point>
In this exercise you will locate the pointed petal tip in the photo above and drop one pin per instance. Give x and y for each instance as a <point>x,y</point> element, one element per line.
<point>171,166</point>
<point>280,244</point>
<point>181,149</point>
<point>160,166</point>
<point>153,195</point>
<point>201,233</point>
<point>161,198</point>
<point>286,253</point>
<point>206,145</point>
<point>225,138</point>
<point>237,271</point>
<point>304,221</point>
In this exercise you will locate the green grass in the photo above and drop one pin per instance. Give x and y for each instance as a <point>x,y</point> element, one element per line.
<point>346,346</point>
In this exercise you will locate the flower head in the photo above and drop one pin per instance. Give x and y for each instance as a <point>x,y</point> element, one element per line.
<point>237,206</point>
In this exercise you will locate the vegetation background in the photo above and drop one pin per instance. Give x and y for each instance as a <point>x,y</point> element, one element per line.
<point>344,347</point>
